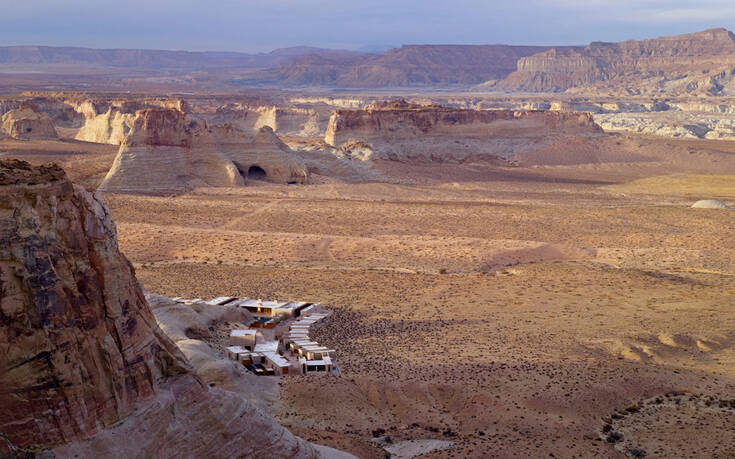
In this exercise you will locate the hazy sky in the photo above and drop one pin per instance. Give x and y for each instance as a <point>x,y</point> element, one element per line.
<point>261,25</point>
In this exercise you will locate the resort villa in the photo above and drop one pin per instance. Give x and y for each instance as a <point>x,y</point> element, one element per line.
<point>269,350</point>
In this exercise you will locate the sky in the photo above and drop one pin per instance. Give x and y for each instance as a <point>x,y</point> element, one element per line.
<point>375,25</point>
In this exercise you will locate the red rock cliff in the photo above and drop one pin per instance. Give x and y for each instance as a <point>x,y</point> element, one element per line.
<point>84,368</point>
<point>78,343</point>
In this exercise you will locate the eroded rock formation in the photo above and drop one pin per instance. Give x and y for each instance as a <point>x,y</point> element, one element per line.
<point>27,124</point>
<point>405,132</point>
<point>79,344</point>
<point>166,152</point>
<point>263,151</point>
<point>293,121</point>
<point>84,368</point>
<point>698,63</point>
<point>110,121</point>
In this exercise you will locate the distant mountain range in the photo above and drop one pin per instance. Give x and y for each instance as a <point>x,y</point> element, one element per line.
<point>698,63</point>
<point>153,59</point>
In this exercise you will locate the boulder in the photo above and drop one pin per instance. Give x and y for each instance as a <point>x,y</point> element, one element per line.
<point>710,204</point>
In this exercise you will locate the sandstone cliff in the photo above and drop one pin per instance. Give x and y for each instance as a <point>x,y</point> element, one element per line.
<point>405,132</point>
<point>698,63</point>
<point>79,343</point>
<point>84,368</point>
<point>27,124</point>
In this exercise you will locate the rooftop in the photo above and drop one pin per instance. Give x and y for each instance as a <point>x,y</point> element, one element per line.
<point>243,332</point>
<point>238,350</point>
<point>270,346</point>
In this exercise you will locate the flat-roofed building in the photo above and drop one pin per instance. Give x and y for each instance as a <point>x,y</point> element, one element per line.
<point>221,300</point>
<point>243,337</point>
<point>233,352</point>
<point>279,364</point>
<point>268,346</point>
<point>315,366</point>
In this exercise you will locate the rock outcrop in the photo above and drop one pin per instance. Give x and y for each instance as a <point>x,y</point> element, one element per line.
<point>698,63</point>
<point>165,152</point>
<point>294,121</point>
<point>710,204</point>
<point>79,344</point>
<point>110,121</point>
<point>84,369</point>
<point>27,124</point>
<point>168,152</point>
<point>262,156</point>
<point>55,106</point>
<point>404,132</point>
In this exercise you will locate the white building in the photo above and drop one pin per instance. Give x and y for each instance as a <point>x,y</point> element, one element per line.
<point>244,338</point>
<point>315,366</point>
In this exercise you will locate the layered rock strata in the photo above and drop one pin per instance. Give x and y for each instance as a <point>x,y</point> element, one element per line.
<point>166,152</point>
<point>79,345</point>
<point>404,132</point>
<point>84,369</point>
<point>698,63</point>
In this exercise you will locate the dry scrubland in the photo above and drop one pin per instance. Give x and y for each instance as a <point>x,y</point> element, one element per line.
<point>521,311</point>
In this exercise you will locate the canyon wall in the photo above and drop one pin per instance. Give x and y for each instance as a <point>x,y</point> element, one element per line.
<point>79,343</point>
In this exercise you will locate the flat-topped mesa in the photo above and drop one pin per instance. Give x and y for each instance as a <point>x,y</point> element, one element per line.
<point>25,123</point>
<point>400,131</point>
<point>629,62</point>
<point>79,344</point>
<point>409,65</point>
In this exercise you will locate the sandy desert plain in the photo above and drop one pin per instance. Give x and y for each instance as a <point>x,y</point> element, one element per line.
<point>574,307</point>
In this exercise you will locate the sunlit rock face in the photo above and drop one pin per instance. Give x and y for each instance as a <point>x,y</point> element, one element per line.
<point>85,371</point>
<point>79,345</point>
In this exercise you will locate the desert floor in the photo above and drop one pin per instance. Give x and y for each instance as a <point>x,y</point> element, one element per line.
<point>533,311</point>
